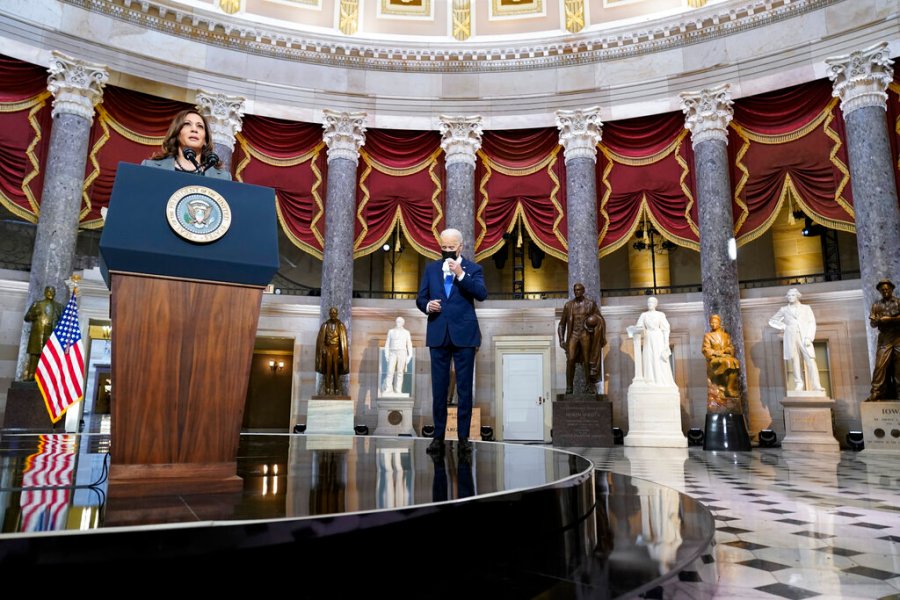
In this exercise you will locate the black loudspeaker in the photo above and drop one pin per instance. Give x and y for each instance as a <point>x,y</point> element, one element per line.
<point>428,431</point>
<point>361,430</point>
<point>300,428</point>
<point>855,440</point>
<point>618,436</point>
<point>768,439</point>
<point>487,433</point>
<point>695,436</point>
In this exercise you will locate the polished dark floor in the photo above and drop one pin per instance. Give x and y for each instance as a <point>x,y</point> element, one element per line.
<point>509,521</point>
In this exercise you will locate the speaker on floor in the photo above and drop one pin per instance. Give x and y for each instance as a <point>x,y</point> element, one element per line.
<point>695,436</point>
<point>768,439</point>
<point>300,428</point>
<point>428,431</point>
<point>487,433</point>
<point>618,436</point>
<point>855,440</point>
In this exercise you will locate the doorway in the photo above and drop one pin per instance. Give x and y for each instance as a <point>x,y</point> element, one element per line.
<point>522,397</point>
<point>268,404</point>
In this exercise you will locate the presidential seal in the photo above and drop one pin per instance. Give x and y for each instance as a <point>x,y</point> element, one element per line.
<point>198,214</point>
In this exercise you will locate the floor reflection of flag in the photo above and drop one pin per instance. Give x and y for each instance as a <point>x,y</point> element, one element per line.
<point>53,467</point>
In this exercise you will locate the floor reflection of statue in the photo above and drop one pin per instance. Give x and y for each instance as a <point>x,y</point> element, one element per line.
<point>798,323</point>
<point>398,351</point>
<point>885,315</point>
<point>43,316</point>
<point>332,354</point>
<point>582,335</point>
<point>722,367</point>
<point>655,352</point>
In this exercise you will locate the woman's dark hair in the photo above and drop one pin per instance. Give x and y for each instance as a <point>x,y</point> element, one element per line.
<point>170,144</point>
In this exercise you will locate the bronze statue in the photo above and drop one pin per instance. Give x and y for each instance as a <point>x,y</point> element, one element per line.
<point>885,315</point>
<point>332,354</point>
<point>582,335</point>
<point>722,368</point>
<point>43,315</point>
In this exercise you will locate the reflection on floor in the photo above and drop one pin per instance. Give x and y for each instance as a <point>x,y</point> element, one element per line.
<point>527,521</point>
<point>789,524</point>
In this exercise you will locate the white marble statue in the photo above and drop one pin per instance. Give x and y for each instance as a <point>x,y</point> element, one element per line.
<point>398,351</point>
<point>798,323</point>
<point>654,329</point>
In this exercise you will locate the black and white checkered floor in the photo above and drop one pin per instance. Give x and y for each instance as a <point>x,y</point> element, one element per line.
<point>789,524</point>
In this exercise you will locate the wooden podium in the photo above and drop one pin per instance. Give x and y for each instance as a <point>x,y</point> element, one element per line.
<point>184,317</point>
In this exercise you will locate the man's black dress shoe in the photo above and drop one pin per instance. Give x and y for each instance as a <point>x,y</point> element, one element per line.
<point>464,446</point>
<point>436,446</point>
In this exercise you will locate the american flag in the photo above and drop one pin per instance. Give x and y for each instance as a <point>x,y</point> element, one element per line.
<point>60,370</point>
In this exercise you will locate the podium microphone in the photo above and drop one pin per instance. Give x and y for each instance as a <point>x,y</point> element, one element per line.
<point>212,159</point>
<point>191,156</point>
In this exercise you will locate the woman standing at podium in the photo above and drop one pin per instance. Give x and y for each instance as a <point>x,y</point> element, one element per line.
<point>188,148</point>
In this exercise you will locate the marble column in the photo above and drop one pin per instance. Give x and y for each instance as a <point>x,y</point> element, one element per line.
<point>579,133</point>
<point>707,114</point>
<point>344,135</point>
<point>225,115</point>
<point>860,80</point>
<point>77,86</point>
<point>461,139</point>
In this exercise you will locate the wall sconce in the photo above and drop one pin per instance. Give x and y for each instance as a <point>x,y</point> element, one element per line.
<point>106,332</point>
<point>276,366</point>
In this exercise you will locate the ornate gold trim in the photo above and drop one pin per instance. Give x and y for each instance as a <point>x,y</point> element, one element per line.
<point>35,104</point>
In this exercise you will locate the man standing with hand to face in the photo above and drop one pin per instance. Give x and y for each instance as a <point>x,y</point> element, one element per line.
<point>447,295</point>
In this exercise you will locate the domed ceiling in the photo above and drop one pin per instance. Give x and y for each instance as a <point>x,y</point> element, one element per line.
<point>448,20</point>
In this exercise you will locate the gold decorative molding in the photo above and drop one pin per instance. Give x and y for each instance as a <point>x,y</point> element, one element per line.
<point>348,21</point>
<point>516,8</point>
<point>697,3</point>
<point>462,19</point>
<point>229,7</point>
<point>405,8</point>
<point>574,15</point>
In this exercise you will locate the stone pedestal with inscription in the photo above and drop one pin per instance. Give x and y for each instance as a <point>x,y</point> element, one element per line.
<point>881,426</point>
<point>395,416</point>
<point>808,423</point>
<point>583,420</point>
<point>452,431</point>
<point>330,415</point>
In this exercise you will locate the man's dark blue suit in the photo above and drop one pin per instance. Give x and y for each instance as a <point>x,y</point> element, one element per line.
<point>452,334</point>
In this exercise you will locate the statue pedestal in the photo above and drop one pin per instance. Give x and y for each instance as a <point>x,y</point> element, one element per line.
<point>654,416</point>
<point>395,416</point>
<point>25,409</point>
<point>807,422</point>
<point>583,420</point>
<point>451,432</point>
<point>330,415</point>
<point>726,431</point>
<point>880,425</point>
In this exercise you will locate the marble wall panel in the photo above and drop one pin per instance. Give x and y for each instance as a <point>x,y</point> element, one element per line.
<point>511,85</point>
<point>459,85</point>
<point>576,79</point>
<point>780,36</point>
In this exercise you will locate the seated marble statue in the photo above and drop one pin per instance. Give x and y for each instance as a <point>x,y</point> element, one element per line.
<point>722,367</point>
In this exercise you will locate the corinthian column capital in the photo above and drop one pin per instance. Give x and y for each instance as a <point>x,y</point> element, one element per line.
<point>861,77</point>
<point>579,132</point>
<point>76,85</point>
<point>460,138</point>
<point>345,133</point>
<point>224,113</point>
<point>708,113</point>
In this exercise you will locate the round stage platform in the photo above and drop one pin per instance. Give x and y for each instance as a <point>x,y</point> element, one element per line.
<point>347,515</point>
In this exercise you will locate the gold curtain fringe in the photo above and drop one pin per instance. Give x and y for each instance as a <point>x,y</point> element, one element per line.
<point>685,171</point>
<point>317,198</point>
<point>103,120</point>
<point>146,140</point>
<point>359,250</point>
<point>745,175</point>
<point>10,107</point>
<point>362,205</point>
<point>601,235</point>
<point>411,170</point>
<point>631,229</point>
<point>479,214</point>
<point>279,162</point>
<point>644,160</point>
<point>837,162</point>
<point>290,235</point>
<point>32,157</point>
<point>438,210</point>
<point>790,136</point>
<point>519,171</point>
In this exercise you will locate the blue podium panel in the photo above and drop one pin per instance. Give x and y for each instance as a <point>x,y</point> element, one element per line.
<point>138,238</point>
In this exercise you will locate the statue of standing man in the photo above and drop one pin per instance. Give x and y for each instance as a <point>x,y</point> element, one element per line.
<point>885,315</point>
<point>332,353</point>
<point>43,316</point>
<point>580,338</point>
<point>799,326</point>
<point>398,351</point>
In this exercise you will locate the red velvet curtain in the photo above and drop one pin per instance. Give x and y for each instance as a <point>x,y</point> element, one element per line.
<point>893,123</point>
<point>788,146</point>
<point>289,157</point>
<point>644,171</point>
<point>520,174</point>
<point>24,135</point>
<point>400,182</point>
<point>129,127</point>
